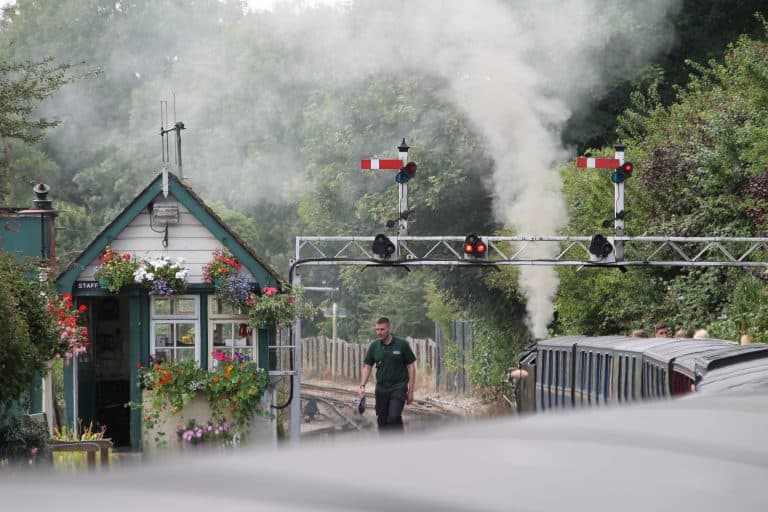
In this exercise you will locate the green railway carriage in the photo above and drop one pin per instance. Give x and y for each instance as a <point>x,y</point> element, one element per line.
<point>578,371</point>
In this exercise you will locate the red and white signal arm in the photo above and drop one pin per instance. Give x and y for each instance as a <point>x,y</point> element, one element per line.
<point>597,163</point>
<point>376,164</point>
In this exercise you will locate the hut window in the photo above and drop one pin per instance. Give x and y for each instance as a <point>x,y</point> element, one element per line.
<point>228,331</point>
<point>175,324</point>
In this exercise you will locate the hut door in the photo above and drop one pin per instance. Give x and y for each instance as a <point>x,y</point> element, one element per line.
<point>111,367</point>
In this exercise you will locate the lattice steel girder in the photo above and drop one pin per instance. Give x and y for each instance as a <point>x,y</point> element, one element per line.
<point>538,250</point>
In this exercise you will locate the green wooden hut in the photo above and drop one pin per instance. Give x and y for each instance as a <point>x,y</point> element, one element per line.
<point>165,219</point>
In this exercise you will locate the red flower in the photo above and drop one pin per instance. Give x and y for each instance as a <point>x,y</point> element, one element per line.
<point>138,365</point>
<point>83,308</point>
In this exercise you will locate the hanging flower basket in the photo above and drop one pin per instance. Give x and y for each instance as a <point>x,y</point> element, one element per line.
<point>275,307</point>
<point>162,276</point>
<point>223,271</point>
<point>116,270</point>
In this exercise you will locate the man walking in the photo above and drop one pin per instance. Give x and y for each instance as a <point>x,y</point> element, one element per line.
<point>395,375</point>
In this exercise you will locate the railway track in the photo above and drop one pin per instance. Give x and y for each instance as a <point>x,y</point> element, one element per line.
<point>333,409</point>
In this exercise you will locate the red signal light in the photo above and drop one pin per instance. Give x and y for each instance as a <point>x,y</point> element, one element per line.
<point>623,172</point>
<point>474,246</point>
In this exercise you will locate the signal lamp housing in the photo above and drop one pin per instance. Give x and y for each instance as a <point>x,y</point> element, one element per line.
<point>475,247</point>
<point>600,247</point>
<point>382,247</point>
<point>406,173</point>
<point>622,172</point>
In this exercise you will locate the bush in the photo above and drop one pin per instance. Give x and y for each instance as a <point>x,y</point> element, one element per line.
<point>24,444</point>
<point>28,330</point>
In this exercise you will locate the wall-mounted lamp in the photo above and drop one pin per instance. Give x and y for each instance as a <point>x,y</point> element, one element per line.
<point>165,214</point>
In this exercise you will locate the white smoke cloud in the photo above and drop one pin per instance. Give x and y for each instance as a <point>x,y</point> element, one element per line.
<point>517,69</point>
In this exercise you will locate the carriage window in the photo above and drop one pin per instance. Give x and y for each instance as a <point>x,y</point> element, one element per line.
<point>634,395</point>
<point>607,378</point>
<point>657,379</point>
<point>582,371</point>
<point>557,376</point>
<point>540,376</point>
<point>566,384</point>
<point>598,377</point>
<point>619,386</point>
<point>590,377</point>
<point>549,379</point>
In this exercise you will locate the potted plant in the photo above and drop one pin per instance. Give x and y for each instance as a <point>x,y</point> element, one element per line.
<point>116,270</point>
<point>229,396</point>
<point>223,271</point>
<point>162,276</point>
<point>211,433</point>
<point>275,307</point>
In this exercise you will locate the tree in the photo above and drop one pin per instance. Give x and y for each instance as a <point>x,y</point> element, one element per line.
<point>701,165</point>
<point>23,86</point>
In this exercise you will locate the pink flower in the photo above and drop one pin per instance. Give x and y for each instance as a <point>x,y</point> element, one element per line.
<point>34,450</point>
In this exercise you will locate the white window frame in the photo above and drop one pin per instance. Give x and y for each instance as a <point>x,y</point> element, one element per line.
<point>190,319</point>
<point>234,320</point>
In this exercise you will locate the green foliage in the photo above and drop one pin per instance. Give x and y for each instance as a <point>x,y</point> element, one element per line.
<point>23,444</point>
<point>116,270</point>
<point>745,311</point>
<point>24,85</point>
<point>277,307</point>
<point>494,352</point>
<point>234,390</point>
<point>700,170</point>
<point>27,329</point>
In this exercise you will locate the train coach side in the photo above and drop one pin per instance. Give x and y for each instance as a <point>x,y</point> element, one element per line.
<point>663,376</point>
<point>585,370</point>
<point>554,372</point>
<point>572,371</point>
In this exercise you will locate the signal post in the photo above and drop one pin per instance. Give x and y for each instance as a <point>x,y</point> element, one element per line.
<point>601,247</point>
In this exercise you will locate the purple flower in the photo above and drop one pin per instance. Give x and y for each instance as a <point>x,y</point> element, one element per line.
<point>160,287</point>
<point>234,289</point>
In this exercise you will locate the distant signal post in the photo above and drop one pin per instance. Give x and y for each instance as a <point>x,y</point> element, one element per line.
<point>406,171</point>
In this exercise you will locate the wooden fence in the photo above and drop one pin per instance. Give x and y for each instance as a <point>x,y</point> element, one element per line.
<point>341,361</point>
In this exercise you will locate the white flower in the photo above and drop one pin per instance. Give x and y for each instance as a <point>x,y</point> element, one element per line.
<point>180,260</point>
<point>181,274</point>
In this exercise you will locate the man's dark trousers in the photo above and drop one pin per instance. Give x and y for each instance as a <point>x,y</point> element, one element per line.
<point>389,410</point>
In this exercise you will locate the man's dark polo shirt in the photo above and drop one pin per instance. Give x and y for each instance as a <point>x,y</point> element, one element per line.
<point>391,362</point>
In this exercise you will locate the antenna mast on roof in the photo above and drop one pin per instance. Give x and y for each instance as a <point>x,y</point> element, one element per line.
<point>177,127</point>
